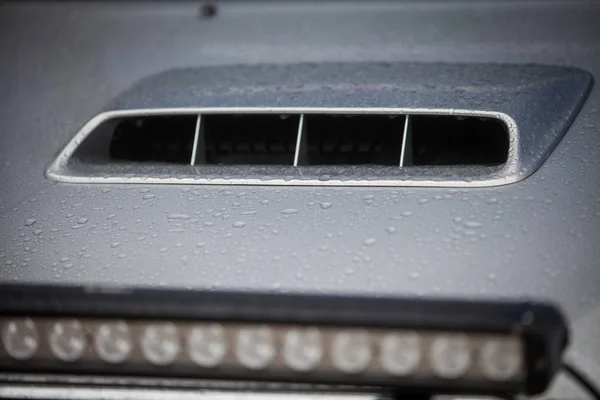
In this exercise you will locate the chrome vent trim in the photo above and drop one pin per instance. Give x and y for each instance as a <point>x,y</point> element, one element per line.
<point>66,168</point>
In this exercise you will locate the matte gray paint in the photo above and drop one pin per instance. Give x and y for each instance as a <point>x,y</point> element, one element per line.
<point>535,238</point>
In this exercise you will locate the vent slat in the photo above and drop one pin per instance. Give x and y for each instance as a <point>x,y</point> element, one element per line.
<point>403,157</point>
<point>198,138</point>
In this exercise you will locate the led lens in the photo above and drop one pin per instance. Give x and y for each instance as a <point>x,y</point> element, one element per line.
<point>20,338</point>
<point>400,353</point>
<point>113,342</point>
<point>302,348</point>
<point>450,356</point>
<point>500,359</point>
<point>207,345</point>
<point>255,347</point>
<point>160,343</point>
<point>67,340</point>
<point>351,351</point>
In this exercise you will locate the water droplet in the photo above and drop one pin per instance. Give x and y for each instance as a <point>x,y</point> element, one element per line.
<point>391,230</point>
<point>178,216</point>
<point>264,202</point>
<point>491,276</point>
<point>115,244</point>
<point>37,232</point>
<point>414,275</point>
<point>325,205</point>
<point>472,224</point>
<point>82,221</point>
<point>29,222</point>
<point>249,213</point>
<point>239,224</point>
<point>289,211</point>
<point>370,241</point>
<point>148,196</point>
<point>422,201</point>
<point>64,259</point>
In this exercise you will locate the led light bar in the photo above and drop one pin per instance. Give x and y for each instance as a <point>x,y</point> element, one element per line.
<point>439,346</point>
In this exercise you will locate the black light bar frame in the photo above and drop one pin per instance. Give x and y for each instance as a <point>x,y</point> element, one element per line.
<point>542,327</point>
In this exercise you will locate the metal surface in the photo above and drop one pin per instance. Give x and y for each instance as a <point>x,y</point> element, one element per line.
<point>535,238</point>
<point>66,168</point>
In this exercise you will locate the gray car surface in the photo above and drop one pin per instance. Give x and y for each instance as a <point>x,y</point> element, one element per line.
<point>536,238</point>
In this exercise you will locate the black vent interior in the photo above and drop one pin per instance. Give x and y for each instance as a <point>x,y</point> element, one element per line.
<point>353,140</point>
<point>162,139</point>
<point>248,139</point>
<point>310,140</point>
<point>447,140</point>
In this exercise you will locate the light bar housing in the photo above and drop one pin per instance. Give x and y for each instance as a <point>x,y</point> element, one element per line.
<point>538,331</point>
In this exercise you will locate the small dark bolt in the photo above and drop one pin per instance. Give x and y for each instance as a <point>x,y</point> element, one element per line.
<point>208,10</point>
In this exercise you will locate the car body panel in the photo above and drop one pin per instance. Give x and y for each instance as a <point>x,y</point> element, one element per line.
<point>537,238</point>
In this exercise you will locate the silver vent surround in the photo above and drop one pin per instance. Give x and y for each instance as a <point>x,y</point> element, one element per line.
<point>68,169</point>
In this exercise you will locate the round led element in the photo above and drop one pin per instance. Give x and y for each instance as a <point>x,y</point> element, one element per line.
<point>302,348</point>
<point>255,347</point>
<point>500,359</point>
<point>206,345</point>
<point>351,351</point>
<point>113,342</point>
<point>20,338</point>
<point>450,355</point>
<point>400,353</point>
<point>160,343</point>
<point>67,340</point>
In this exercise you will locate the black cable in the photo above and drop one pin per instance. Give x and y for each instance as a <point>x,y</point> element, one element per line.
<point>583,380</point>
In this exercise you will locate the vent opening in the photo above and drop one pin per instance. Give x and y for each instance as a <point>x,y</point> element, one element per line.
<point>450,140</point>
<point>310,139</point>
<point>352,139</point>
<point>157,139</point>
<point>247,139</point>
<point>292,145</point>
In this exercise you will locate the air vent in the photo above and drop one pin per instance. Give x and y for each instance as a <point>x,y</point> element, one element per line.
<point>304,146</point>
<point>307,139</point>
<point>336,124</point>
